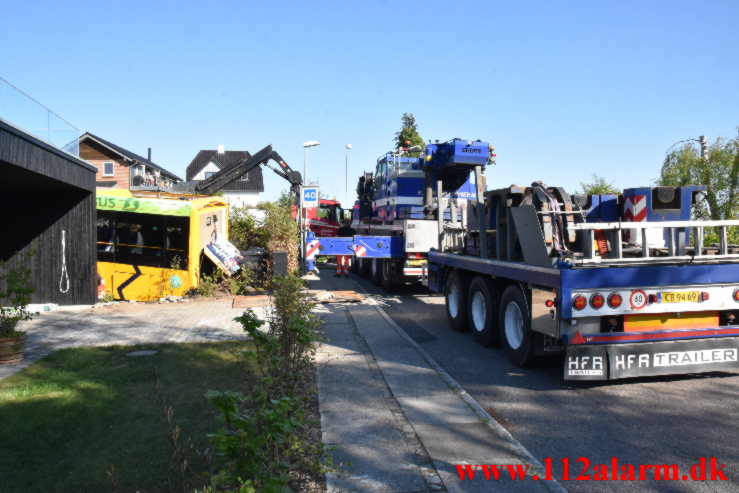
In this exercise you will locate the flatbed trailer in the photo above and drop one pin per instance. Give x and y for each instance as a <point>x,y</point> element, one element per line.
<point>658,313</point>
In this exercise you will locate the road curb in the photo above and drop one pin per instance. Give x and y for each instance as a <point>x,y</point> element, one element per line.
<point>526,456</point>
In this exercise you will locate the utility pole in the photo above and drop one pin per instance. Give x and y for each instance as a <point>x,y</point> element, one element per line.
<point>704,146</point>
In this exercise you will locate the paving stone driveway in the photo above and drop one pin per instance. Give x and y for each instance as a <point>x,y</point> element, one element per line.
<point>124,324</point>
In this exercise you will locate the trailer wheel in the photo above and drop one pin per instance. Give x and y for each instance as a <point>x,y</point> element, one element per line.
<point>515,326</point>
<point>376,271</point>
<point>481,312</point>
<point>364,267</point>
<point>455,296</point>
<point>390,281</point>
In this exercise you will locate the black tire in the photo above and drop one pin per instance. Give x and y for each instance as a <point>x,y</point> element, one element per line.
<point>376,271</point>
<point>482,312</point>
<point>515,326</point>
<point>390,282</point>
<point>364,268</point>
<point>355,265</point>
<point>455,297</point>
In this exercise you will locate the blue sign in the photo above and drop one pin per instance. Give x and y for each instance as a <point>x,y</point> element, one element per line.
<point>310,196</point>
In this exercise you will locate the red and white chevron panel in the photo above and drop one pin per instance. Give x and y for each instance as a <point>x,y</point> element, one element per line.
<point>311,249</point>
<point>360,251</point>
<point>635,208</point>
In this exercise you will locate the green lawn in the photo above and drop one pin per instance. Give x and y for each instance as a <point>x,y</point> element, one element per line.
<point>66,420</point>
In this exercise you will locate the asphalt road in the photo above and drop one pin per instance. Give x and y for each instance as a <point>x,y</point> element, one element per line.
<point>657,420</point>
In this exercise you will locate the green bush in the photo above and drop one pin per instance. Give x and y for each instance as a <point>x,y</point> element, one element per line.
<point>243,282</point>
<point>244,230</point>
<point>15,295</point>
<point>277,231</point>
<point>266,431</point>
<point>209,284</point>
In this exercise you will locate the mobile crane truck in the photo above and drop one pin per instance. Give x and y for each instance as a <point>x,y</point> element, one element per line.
<point>623,284</point>
<point>395,231</point>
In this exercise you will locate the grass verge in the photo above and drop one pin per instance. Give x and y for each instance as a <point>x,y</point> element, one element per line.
<point>91,419</point>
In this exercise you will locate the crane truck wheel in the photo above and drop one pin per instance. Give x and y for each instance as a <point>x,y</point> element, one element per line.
<point>455,296</point>
<point>364,267</point>
<point>390,281</point>
<point>376,271</point>
<point>481,312</point>
<point>515,326</point>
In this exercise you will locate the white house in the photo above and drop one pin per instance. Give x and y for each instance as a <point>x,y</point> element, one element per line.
<point>245,191</point>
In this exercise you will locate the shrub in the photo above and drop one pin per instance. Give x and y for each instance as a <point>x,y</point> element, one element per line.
<point>209,283</point>
<point>266,431</point>
<point>281,230</point>
<point>15,290</point>
<point>245,231</point>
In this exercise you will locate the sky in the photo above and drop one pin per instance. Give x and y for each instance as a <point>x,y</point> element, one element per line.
<point>561,89</point>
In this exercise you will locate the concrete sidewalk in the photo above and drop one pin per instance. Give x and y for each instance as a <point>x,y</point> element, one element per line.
<point>396,421</point>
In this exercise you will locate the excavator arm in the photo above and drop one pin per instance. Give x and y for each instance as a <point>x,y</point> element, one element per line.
<point>238,169</point>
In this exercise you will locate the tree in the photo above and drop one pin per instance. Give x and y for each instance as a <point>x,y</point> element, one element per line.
<point>598,186</point>
<point>720,173</point>
<point>408,135</point>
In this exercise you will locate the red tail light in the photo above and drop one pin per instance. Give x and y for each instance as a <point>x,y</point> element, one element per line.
<point>736,295</point>
<point>579,302</point>
<point>615,300</point>
<point>597,301</point>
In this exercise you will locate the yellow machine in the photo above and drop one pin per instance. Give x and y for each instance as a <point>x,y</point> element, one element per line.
<point>149,244</point>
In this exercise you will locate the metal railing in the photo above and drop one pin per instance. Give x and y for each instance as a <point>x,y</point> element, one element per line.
<point>677,242</point>
<point>24,112</point>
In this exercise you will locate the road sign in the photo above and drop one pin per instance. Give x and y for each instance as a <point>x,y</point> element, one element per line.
<point>310,196</point>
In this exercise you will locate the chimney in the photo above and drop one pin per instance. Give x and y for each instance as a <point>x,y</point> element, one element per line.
<point>149,154</point>
<point>221,149</point>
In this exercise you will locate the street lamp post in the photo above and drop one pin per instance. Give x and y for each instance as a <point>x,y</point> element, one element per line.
<point>301,213</point>
<point>306,145</point>
<point>346,172</point>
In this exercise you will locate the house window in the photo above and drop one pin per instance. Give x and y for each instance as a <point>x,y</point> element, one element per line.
<point>108,168</point>
<point>208,174</point>
<point>244,177</point>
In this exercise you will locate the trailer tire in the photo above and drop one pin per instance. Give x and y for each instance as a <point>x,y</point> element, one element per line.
<point>364,267</point>
<point>455,296</point>
<point>376,271</point>
<point>481,312</point>
<point>515,326</point>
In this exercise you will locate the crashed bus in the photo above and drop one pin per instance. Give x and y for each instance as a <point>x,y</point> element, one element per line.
<point>150,245</point>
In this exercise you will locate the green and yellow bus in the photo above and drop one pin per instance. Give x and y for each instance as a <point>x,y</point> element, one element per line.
<point>149,244</point>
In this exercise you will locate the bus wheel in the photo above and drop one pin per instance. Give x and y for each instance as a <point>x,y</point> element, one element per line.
<point>481,312</point>
<point>376,271</point>
<point>455,296</point>
<point>515,326</point>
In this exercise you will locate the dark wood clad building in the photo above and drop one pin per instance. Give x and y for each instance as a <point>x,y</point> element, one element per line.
<point>47,205</point>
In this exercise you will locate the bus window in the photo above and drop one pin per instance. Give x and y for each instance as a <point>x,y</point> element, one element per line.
<point>140,239</point>
<point>176,242</point>
<point>106,236</point>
